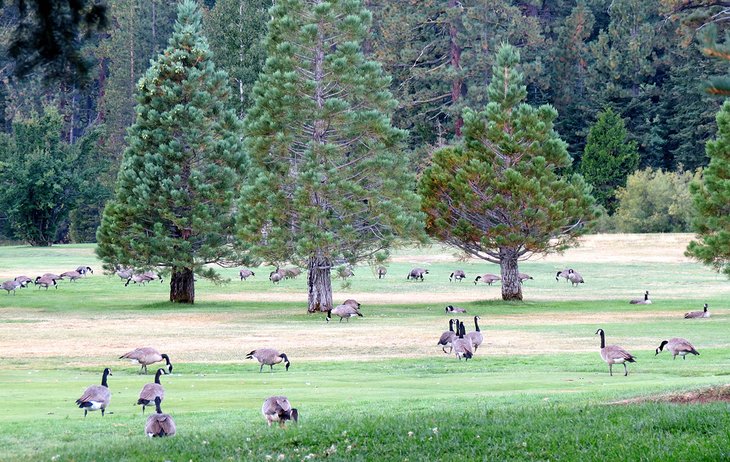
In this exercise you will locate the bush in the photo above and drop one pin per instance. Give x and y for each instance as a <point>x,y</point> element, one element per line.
<point>655,201</point>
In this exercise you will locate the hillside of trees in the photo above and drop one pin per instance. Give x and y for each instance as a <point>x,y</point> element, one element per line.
<point>630,59</point>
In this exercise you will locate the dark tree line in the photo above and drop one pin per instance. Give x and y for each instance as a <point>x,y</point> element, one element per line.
<point>582,56</point>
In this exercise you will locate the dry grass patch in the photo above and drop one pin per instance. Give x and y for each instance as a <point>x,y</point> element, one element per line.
<point>706,395</point>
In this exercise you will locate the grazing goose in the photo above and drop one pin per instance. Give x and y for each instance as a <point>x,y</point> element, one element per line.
<point>23,280</point>
<point>159,424</point>
<point>487,279</point>
<point>677,346</point>
<point>83,270</point>
<point>152,391</point>
<point>454,309</point>
<point>614,354</point>
<point>416,273</point>
<point>151,276</point>
<point>475,337</point>
<point>137,279</point>
<point>278,409</point>
<point>246,273</point>
<point>461,346</point>
<point>382,271</point>
<point>52,276</point>
<point>458,275</point>
<point>124,273</point>
<point>275,277</point>
<point>11,286</point>
<point>72,275</point>
<point>40,281</point>
<point>575,278</point>
<point>96,397</point>
<point>642,301</point>
<point>269,357</point>
<point>344,312</point>
<point>523,277</point>
<point>563,274</point>
<point>447,337</point>
<point>698,314</point>
<point>146,356</point>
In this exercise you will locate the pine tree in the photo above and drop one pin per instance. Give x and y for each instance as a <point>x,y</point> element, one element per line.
<point>173,205</point>
<point>609,158</point>
<point>624,71</point>
<point>712,200</point>
<point>498,195</point>
<point>328,179</point>
<point>236,29</point>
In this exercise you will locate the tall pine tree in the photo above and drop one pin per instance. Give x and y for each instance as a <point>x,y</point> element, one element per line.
<point>712,199</point>
<point>498,196</point>
<point>328,179</point>
<point>609,158</point>
<point>173,206</point>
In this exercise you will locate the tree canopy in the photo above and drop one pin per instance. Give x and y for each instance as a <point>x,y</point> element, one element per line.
<point>499,195</point>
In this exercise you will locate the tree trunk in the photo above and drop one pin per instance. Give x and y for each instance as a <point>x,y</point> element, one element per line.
<point>182,286</point>
<point>455,54</point>
<point>320,284</point>
<point>511,285</point>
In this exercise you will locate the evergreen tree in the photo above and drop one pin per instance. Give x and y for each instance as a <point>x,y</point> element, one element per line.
<point>609,158</point>
<point>624,73</point>
<point>328,179</point>
<point>173,204</point>
<point>568,74</point>
<point>498,196</point>
<point>42,176</point>
<point>712,199</point>
<point>236,29</point>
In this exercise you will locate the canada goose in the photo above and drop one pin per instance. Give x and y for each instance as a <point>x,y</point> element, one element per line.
<point>246,273</point>
<point>447,337</point>
<point>137,279</point>
<point>454,309</point>
<point>269,357</point>
<point>677,346</point>
<point>96,397</point>
<point>458,275</point>
<point>72,275</point>
<point>523,277</point>
<point>23,280</point>
<point>344,272</point>
<point>461,346</point>
<point>614,354</point>
<point>291,273</point>
<point>278,409</point>
<point>151,391</point>
<point>351,302</point>
<point>151,275</point>
<point>11,286</point>
<point>53,276</point>
<point>417,273</point>
<point>642,301</point>
<point>84,269</point>
<point>382,271</point>
<point>275,277</point>
<point>563,274</point>
<point>475,337</point>
<point>146,356</point>
<point>159,424</point>
<point>575,278</point>
<point>487,279</point>
<point>698,314</point>
<point>45,282</point>
<point>124,273</point>
<point>344,312</point>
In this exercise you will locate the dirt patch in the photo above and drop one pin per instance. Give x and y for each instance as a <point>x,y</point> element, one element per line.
<point>708,395</point>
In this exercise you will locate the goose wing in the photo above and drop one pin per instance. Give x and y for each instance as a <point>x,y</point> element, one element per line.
<point>150,391</point>
<point>446,337</point>
<point>95,393</point>
<point>616,352</point>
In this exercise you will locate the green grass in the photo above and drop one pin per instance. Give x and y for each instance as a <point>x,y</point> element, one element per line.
<point>376,389</point>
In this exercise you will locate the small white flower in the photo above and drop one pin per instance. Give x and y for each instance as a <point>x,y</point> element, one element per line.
<point>280,457</point>
<point>435,431</point>
<point>344,433</point>
<point>410,434</point>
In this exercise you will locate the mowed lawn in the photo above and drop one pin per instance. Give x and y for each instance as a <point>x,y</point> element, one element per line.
<point>376,388</point>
